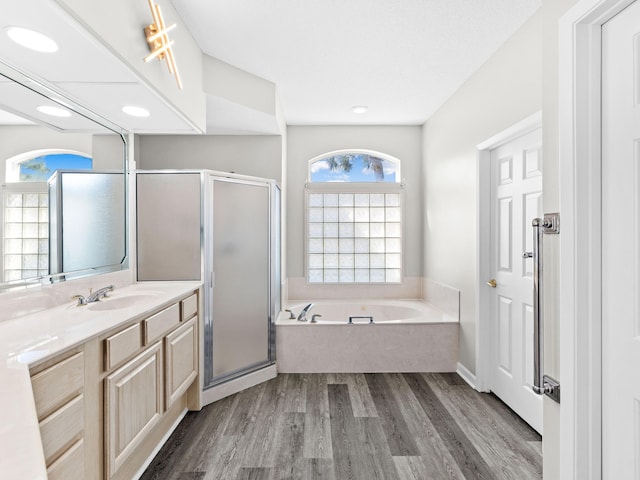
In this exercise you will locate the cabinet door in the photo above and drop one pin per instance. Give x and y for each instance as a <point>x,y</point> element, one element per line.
<point>133,396</point>
<point>181,360</point>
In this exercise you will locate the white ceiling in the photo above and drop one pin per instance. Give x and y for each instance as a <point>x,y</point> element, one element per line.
<point>401,58</point>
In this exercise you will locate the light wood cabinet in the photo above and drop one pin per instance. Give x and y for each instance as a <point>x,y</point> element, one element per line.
<point>133,405</point>
<point>181,360</point>
<point>122,345</point>
<point>105,406</point>
<point>160,323</point>
<point>146,396</point>
<point>58,387</point>
<point>70,465</point>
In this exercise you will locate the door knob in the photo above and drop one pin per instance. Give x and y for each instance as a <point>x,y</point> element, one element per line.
<point>492,283</point>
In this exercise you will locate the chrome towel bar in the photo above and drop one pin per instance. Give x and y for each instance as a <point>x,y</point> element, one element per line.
<point>542,384</point>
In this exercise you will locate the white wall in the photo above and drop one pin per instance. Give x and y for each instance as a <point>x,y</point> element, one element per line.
<point>502,92</point>
<point>257,155</point>
<point>307,142</point>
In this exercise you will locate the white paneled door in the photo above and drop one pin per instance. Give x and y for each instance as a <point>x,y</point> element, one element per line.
<point>516,188</point>
<point>621,245</point>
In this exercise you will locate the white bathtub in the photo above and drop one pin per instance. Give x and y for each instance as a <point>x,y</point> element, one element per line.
<point>383,336</point>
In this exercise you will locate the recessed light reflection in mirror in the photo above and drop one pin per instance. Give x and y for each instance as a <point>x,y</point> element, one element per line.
<point>32,40</point>
<point>136,111</point>
<point>54,111</point>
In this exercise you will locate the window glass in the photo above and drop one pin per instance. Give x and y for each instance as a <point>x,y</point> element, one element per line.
<point>353,167</point>
<point>39,169</point>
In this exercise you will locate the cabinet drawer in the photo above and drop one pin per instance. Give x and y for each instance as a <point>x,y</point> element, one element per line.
<point>157,325</point>
<point>189,307</point>
<point>62,428</point>
<point>58,384</point>
<point>70,465</point>
<point>181,349</point>
<point>122,345</point>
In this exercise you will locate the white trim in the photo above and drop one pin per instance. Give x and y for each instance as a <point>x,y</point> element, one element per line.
<point>467,376</point>
<point>483,242</point>
<point>239,384</point>
<point>580,244</point>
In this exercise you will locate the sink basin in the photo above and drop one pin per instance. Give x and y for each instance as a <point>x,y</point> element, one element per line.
<point>116,303</point>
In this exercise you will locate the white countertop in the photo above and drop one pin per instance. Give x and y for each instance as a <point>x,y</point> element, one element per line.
<point>34,337</point>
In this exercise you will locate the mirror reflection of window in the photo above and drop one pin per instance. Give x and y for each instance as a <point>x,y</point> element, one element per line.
<point>40,168</point>
<point>26,212</point>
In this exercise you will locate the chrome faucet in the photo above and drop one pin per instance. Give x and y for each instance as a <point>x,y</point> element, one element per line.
<point>93,297</point>
<point>303,314</point>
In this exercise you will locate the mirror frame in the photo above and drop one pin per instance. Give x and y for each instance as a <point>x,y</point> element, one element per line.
<point>47,90</point>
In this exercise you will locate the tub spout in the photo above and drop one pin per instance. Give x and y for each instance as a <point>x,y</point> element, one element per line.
<point>303,314</point>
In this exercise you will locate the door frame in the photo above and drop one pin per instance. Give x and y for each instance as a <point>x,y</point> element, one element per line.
<point>579,136</point>
<point>484,340</point>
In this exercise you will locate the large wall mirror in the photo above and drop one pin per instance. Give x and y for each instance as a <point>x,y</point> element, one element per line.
<point>63,187</point>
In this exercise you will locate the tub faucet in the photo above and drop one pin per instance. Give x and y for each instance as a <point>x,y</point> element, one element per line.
<point>303,314</point>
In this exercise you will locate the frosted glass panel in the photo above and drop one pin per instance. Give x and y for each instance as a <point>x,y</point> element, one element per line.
<point>344,199</point>
<point>315,245</point>
<point>315,200</point>
<point>330,229</point>
<point>240,257</point>
<point>331,200</point>
<point>346,245</point>
<point>361,231</point>
<point>90,232</point>
<point>331,260</point>
<point>331,245</point>
<point>376,215</point>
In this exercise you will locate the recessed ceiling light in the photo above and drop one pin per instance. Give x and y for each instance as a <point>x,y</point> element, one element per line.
<point>135,111</point>
<point>53,111</point>
<point>32,39</point>
<point>359,109</point>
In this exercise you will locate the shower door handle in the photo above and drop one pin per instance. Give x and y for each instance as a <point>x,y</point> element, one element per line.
<point>542,384</point>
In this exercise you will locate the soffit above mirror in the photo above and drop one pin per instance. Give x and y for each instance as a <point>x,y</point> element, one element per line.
<point>83,69</point>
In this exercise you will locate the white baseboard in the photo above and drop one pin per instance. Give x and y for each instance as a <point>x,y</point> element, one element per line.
<point>242,383</point>
<point>468,377</point>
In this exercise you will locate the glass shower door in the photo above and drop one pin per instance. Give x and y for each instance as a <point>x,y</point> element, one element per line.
<point>240,300</point>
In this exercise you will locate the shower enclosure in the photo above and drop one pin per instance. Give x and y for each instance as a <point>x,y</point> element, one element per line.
<point>222,229</point>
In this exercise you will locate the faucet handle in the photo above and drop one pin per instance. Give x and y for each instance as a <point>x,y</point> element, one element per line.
<point>314,316</point>
<point>291,314</point>
<point>81,300</point>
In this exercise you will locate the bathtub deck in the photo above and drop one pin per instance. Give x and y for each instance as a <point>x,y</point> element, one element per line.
<point>352,426</point>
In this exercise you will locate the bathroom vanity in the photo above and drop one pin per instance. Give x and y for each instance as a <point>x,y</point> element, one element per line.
<point>94,391</point>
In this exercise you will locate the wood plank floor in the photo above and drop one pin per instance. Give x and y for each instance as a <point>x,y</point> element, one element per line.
<point>352,426</point>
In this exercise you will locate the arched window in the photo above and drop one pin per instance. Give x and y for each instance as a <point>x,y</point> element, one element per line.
<point>354,218</point>
<point>354,166</point>
<point>38,165</point>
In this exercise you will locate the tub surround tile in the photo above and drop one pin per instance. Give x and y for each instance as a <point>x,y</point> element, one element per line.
<point>380,348</point>
<point>442,296</point>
